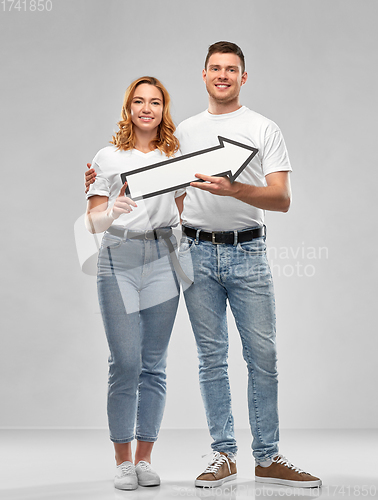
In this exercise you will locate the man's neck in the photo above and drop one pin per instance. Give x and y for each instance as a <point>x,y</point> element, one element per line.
<point>222,108</point>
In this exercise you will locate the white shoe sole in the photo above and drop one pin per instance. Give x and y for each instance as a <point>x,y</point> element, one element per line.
<point>125,486</point>
<point>287,482</point>
<point>210,484</point>
<point>149,483</point>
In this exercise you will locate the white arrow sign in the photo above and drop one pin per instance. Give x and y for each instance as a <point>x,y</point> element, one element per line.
<point>170,175</point>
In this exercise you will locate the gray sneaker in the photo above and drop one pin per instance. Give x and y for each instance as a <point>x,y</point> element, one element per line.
<point>146,475</point>
<point>126,478</point>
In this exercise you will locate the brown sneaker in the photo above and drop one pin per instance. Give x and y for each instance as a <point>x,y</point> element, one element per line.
<point>220,469</point>
<point>281,471</point>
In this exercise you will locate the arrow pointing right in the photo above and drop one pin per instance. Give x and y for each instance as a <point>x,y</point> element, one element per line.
<point>229,158</point>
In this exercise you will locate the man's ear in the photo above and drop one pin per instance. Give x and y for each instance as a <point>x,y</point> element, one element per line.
<point>244,78</point>
<point>204,75</point>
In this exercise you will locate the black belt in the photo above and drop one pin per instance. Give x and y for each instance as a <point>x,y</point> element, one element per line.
<point>225,237</point>
<point>154,234</point>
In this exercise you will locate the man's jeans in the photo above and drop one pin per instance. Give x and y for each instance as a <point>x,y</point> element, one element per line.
<point>138,294</point>
<point>241,274</point>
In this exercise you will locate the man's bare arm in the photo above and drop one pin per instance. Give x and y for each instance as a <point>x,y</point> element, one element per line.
<point>275,196</point>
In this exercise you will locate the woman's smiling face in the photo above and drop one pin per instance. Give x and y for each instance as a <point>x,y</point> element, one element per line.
<point>147,107</point>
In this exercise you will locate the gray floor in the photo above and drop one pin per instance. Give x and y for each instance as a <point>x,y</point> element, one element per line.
<point>78,464</point>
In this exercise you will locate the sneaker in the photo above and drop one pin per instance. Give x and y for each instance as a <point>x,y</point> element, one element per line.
<point>126,478</point>
<point>281,471</point>
<point>220,469</point>
<point>146,475</point>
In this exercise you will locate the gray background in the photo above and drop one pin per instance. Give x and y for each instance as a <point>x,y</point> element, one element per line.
<point>312,69</point>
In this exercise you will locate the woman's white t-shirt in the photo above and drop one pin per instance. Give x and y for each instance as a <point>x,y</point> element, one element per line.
<point>158,211</point>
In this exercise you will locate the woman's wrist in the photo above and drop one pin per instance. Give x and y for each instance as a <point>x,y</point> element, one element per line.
<point>110,214</point>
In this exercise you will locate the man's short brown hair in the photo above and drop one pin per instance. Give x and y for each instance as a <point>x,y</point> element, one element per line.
<point>225,48</point>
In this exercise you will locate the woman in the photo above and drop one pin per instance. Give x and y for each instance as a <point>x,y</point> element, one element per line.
<point>137,286</point>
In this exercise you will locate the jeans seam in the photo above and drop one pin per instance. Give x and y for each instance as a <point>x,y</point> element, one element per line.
<point>219,265</point>
<point>255,405</point>
<point>110,261</point>
<point>138,406</point>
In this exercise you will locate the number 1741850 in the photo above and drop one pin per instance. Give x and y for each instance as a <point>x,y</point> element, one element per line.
<point>27,5</point>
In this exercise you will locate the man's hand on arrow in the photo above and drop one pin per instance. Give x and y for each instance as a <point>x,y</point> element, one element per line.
<point>220,186</point>
<point>276,195</point>
<point>90,177</point>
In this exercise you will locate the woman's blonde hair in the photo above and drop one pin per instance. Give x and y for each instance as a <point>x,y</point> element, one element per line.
<point>165,141</point>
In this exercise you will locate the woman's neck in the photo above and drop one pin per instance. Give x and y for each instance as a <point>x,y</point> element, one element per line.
<point>143,141</point>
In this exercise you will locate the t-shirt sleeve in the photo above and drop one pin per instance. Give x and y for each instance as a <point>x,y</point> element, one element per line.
<point>178,132</point>
<point>101,186</point>
<point>275,156</point>
<point>180,192</point>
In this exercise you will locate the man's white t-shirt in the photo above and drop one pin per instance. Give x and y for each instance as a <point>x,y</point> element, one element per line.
<point>224,213</point>
<point>152,213</point>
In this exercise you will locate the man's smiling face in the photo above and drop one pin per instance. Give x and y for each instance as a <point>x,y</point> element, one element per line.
<point>223,77</point>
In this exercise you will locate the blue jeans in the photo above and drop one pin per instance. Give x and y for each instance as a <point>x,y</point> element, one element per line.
<point>240,274</point>
<point>138,294</point>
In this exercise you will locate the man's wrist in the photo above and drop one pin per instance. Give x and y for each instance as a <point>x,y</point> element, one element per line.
<point>239,190</point>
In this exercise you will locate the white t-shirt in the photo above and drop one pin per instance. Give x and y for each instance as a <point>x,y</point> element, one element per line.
<point>157,211</point>
<point>224,213</point>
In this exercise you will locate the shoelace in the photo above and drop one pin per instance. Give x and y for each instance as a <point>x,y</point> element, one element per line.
<point>280,459</point>
<point>216,463</point>
<point>144,465</point>
<point>126,469</point>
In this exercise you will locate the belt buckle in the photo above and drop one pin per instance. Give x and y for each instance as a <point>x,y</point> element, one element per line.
<point>213,239</point>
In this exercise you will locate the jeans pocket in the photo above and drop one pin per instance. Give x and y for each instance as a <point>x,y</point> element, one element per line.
<point>185,245</point>
<point>110,241</point>
<point>173,240</point>
<point>256,247</point>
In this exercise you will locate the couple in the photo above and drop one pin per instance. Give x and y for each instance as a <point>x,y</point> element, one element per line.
<point>223,250</point>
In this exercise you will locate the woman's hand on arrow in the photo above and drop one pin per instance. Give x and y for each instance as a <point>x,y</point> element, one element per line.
<point>122,205</point>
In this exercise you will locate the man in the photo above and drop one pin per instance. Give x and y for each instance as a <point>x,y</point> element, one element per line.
<point>224,250</point>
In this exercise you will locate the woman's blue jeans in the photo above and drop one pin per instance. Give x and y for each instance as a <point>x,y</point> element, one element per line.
<point>138,293</point>
<point>240,274</point>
